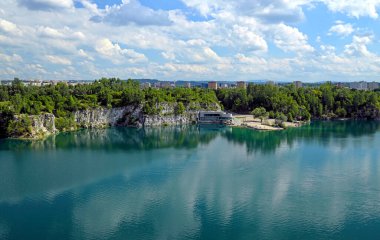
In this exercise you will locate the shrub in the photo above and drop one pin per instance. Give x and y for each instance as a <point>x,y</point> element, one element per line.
<point>21,126</point>
<point>179,109</point>
<point>65,123</point>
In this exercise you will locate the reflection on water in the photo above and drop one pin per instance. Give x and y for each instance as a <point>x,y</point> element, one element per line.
<point>320,181</point>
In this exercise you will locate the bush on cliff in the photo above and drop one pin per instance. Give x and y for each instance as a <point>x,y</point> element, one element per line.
<point>65,123</point>
<point>19,127</point>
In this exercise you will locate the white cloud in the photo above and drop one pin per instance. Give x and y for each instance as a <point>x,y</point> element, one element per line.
<point>341,29</point>
<point>290,39</point>
<point>233,40</point>
<point>205,7</point>
<point>46,5</point>
<point>116,54</point>
<point>84,54</point>
<point>36,68</point>
<point>93,7</point>
<point>14,58</point>
<point>65,33</point>
<point>250,39</point>
<point>9,27</point>
<point>50,32</point>
<point>168,55</point>
<point>133,12</point>
<point>274,11</point>
<point>354,8</point>
<point>358,46</point>
<point>58,60</point>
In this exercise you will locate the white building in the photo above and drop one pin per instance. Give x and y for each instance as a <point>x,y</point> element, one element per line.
<point>214,117</point>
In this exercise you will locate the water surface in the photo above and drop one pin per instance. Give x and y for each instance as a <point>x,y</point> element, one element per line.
<point>321,181</point>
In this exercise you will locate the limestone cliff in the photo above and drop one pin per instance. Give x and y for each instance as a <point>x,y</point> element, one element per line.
<point>104,117</point>
<point>40,126</point>
<point>44,124</point>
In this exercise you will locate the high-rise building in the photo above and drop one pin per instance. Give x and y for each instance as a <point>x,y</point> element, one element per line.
<point>213,85</point>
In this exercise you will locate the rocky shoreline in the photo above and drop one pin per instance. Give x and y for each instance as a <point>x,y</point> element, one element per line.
<point>249,121</point>
<point>43,125</point>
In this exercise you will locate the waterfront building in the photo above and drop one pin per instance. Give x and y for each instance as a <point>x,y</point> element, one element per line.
<point>214,117</point>
<point>213,85</point>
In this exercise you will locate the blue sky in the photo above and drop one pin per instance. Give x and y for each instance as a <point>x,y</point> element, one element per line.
<point>280,40</point>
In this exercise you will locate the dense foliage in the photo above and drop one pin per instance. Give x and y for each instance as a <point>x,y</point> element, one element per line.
<point>279,102</point>
<point>325,101</point>
<point>62,100</point>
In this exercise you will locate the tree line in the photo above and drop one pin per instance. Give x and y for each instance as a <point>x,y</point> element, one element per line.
<point>63,100</point>
<point>322,102</point>
<point>281,102</point>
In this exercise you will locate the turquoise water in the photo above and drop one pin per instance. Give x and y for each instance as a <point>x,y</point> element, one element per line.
<point>321,181</point>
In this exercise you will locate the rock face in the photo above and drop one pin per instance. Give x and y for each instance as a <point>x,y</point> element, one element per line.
<point>163,120</point>
<point>44,124</point>
<point>103,117</point>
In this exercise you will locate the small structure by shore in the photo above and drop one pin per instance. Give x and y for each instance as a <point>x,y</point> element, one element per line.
<point>214,117</point>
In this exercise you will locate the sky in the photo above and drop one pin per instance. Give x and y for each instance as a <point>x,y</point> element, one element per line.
<point>223,40</point>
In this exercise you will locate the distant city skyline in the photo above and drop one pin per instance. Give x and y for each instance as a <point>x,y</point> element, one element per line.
<point>191,40</point>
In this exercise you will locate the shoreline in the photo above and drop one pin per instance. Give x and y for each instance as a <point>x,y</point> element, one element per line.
<point>248,121</point>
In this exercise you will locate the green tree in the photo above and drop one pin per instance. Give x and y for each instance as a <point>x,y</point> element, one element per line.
<point>179,109</point>
<point>22,126</point>
<point>260,113</point>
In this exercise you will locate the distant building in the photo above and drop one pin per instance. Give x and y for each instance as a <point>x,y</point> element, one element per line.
<point>165,84</point>
<point>47,83</point>
<point>373,85</point>
<point>213,85</point>
<point>6,82</point>
<point>36,83</point>
<point>241,84</point>
<point>223,85</point>
<point>272,83</point>
<point>359,85</point>
<point>188,85</point>
<point>298,84</point>
<point>146,85</point>
<point>73,83</point>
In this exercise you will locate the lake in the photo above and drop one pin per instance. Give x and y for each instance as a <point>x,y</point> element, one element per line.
<point>320,181</point>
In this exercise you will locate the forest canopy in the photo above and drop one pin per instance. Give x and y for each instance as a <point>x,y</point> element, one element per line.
<point>321,102</point>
